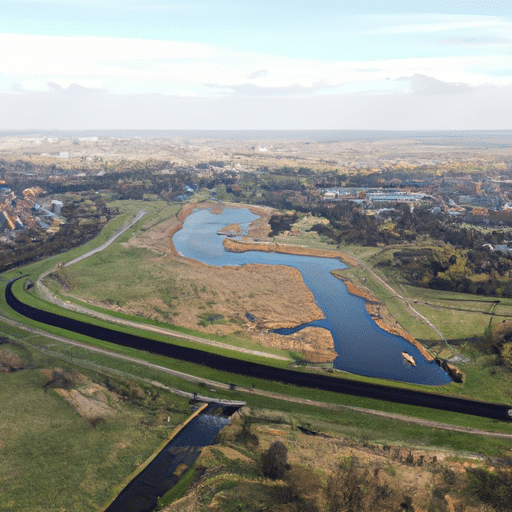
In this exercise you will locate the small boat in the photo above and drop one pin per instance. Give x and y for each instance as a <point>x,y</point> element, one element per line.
<point>229,233</point>
<point>409,359</point>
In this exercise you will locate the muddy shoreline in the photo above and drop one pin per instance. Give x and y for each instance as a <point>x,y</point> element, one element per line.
<point>315,345</point>
<point>375,308</point>
<point>244,245</point>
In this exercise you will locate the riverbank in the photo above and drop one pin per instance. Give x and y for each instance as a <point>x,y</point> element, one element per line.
<point>231,303</point>
<point>380,315</point>
<point>119,489</point>
<point>229,473</point>
<point>245,245</point>
<point>259,228</point>
<point>315,345</point>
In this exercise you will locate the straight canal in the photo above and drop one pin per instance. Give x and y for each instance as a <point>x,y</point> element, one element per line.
<point>164,472</point>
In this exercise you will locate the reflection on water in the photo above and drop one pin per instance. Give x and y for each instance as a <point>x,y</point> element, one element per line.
<point>200,432</point>
<point>362,347</point>
<point>142,493</point>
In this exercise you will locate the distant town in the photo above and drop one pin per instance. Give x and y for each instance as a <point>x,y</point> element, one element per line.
<point>466,181</point>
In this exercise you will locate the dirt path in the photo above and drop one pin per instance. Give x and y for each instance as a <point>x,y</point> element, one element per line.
<point>48,296</point>
<point>45,293</point>
<point>405,300</point>
<point>219,385</point>
<point>114,237</point>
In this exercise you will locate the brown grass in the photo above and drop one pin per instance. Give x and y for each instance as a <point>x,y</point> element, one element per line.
<point>322,469</point>
<point>243,246</point>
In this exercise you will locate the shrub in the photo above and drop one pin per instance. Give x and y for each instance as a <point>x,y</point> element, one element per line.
<point>493,488</point>
<point>273,461</point>
<point>354,487</point>
<point>246,436</point>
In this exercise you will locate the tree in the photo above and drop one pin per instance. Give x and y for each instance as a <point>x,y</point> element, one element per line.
<point>220,192</point>
<point>273,461</point>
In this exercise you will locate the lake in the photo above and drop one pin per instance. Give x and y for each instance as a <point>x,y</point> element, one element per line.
<point>362,347</point>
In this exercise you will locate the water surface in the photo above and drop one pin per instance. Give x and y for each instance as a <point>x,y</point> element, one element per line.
<point>163,473</point>
<point>362,346</point>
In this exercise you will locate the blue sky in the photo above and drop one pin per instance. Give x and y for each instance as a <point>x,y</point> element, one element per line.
<point>158,64</point>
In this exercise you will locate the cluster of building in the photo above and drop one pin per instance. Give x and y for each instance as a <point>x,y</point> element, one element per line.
<point>484,200</point>
<point>371,196</point>
<point>20,213</point>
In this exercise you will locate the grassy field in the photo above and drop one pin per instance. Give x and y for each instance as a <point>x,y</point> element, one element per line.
<point>484,379</point>
<point>357,425</point>
<point>51,458</point>
<point>458,316</point>
<point>497,382</point>
<point>35,301</point>
<point>76,354</point>
<point>487,382</point>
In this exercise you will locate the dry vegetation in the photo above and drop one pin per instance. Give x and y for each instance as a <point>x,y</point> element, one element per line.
<point>10,361</point>
<point>157,284</point>
<point>328,473</point>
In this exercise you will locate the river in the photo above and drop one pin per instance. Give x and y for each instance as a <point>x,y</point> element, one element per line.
<point>363,347</point>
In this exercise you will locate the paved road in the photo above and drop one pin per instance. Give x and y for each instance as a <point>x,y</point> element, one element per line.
<point>114,237</point>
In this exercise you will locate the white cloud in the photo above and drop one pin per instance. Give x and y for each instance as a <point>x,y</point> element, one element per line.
<point>426,85</point>
<point>259,74</point>
<point>439,23</point>
<point>132,65</point>
<point>90,82</point>
<point>79,108</point>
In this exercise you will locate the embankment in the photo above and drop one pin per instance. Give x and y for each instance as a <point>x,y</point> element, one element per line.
<point>243,246</point>
<point>252,370</point>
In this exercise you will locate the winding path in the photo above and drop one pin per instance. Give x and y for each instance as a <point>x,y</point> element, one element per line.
<point>401,297</point>
<point>499,410</point>
<point>104,245</point>
<point>48,296</point>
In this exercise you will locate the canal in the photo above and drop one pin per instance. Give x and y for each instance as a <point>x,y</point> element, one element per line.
<point>164,472</point>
